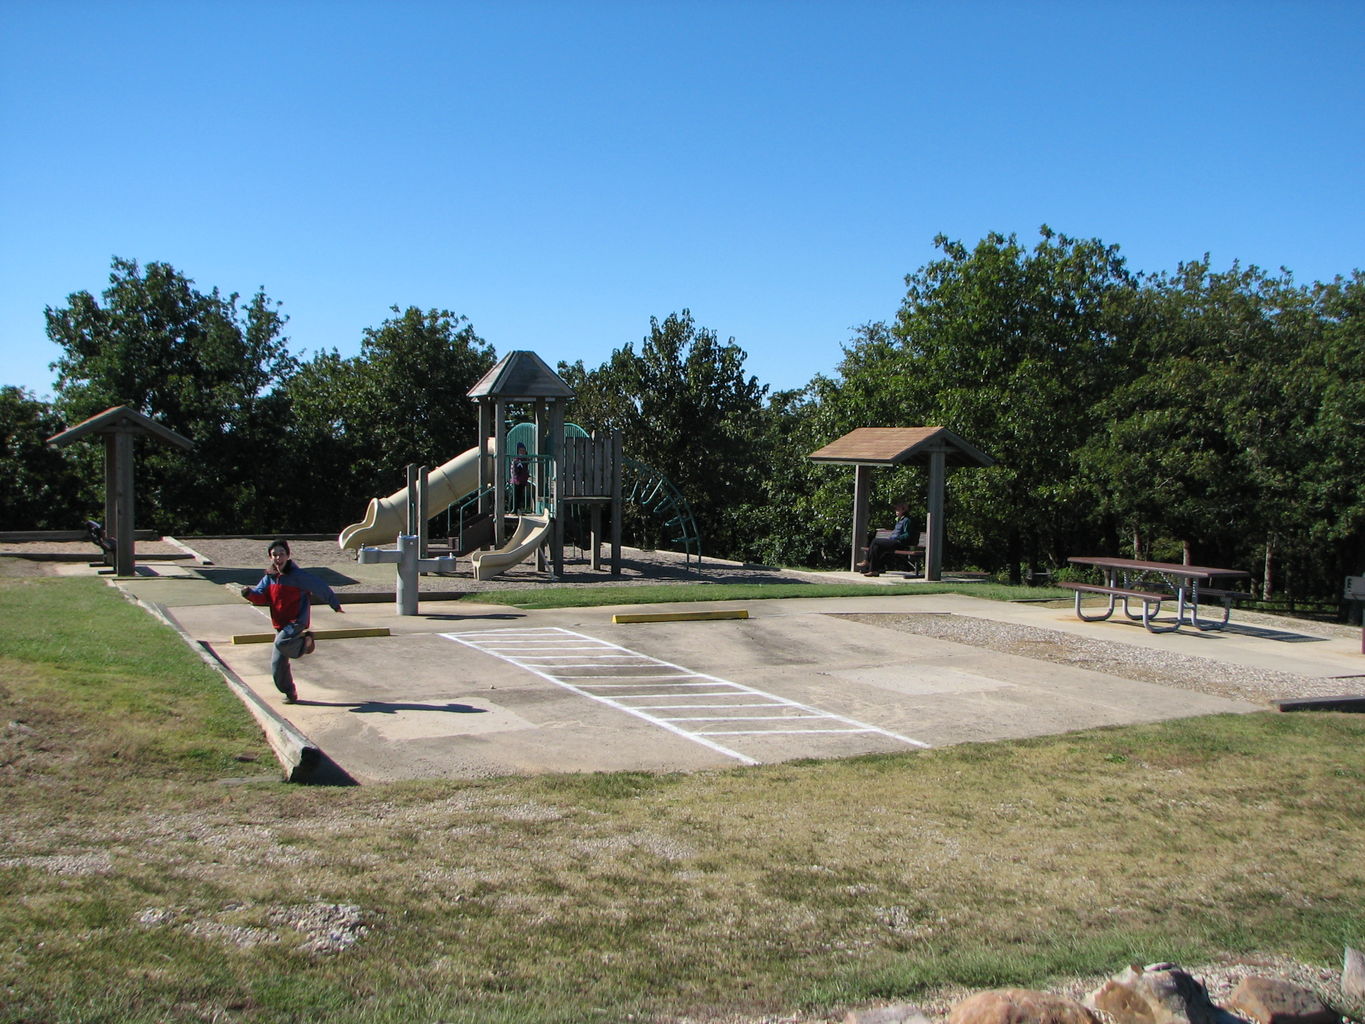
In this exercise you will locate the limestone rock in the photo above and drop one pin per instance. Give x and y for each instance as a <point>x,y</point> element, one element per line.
<point>900,1013</point>
<point>1156,994</point>
<point>1019,1006</point>
<point>1353,975</point>
<point>1276,1001</point>
<point>1122,1002</point>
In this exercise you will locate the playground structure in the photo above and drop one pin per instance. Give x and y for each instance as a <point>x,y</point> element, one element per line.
<point>567,472</point>
<point>386,518</point>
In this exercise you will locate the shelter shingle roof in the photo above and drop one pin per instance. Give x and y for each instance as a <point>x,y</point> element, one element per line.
<point>118,420</point>
<point>896,446</point>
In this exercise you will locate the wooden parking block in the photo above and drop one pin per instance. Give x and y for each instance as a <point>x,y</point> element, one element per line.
<point>724,613</point>
<point>318,634</point>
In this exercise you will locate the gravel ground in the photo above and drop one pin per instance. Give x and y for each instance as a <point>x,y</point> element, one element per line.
<point>1144,664</point>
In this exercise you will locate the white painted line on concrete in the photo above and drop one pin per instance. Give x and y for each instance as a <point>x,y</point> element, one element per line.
<point>561,667</point>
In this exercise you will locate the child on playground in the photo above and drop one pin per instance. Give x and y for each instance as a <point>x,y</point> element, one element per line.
<point>288,591</point>
<point>520,478</point>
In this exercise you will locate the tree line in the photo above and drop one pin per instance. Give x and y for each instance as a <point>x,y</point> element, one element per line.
<point>1215,416</point>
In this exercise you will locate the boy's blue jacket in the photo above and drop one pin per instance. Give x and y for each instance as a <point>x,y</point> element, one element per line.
<point>289,597</point>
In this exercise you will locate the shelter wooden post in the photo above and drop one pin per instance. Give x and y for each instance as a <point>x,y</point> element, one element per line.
<point>862,489</point>
<point>124,516</point>
<point>111,489</point>
<point>933,552</point>
<point>617,454</point>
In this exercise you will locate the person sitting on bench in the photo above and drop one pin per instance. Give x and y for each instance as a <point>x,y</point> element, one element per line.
<point>880,548</point>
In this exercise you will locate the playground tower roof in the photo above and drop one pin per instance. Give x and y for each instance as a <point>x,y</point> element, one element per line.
<point>521,375</point>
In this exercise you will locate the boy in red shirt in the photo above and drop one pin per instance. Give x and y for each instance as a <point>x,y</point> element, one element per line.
<point>288,591</point>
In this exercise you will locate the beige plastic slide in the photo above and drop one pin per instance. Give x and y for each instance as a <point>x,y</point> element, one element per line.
<point>529,535</point>
<point>387,517</point>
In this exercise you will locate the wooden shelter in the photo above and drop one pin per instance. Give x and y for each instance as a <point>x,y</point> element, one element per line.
<point>868,447</point>
<point>119,426</point>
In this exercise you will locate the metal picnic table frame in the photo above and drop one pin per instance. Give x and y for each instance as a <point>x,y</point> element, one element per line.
<point>1134,579</point>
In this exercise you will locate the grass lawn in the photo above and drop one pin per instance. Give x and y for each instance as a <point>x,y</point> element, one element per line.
<point>153,868</point>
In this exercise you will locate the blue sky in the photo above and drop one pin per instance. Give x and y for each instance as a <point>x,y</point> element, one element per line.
<point>561,172</point>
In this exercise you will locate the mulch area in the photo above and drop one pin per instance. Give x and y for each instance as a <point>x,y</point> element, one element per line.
<point>637,568</point>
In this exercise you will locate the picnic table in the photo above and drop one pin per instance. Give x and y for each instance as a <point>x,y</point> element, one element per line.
<point>1153,583</point>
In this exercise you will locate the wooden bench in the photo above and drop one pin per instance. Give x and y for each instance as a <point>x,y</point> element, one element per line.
<point>1150,598</point>
<point>1223,595</point>
<point>95,533</point>
<point>907,555</point>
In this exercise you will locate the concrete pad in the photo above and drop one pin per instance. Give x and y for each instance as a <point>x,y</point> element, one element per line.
<point>792,680</point>
<point>418,705</point>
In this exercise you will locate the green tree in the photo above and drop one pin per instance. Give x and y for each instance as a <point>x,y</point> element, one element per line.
<point>1331,481</point>
<point>803,514</point>
<point>403,399</point>
<point>40,488</point>
<point>202,364</point>
<point>1211,446</point>
<point>687,408</point>
<point>1011,349</point>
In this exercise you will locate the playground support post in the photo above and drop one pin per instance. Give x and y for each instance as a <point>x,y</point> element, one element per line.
<point>418,484</point>
<point>410,565</point>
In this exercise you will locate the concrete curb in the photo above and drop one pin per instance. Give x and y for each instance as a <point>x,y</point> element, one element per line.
<point>299,757</point>
<point>682,616</point>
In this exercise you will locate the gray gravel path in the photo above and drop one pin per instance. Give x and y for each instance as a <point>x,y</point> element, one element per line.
<point>1148,665</point>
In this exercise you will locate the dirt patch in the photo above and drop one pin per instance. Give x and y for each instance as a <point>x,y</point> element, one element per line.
<point>637,568</point>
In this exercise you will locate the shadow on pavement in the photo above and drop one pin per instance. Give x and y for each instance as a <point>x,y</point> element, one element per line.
<point>382,707</point>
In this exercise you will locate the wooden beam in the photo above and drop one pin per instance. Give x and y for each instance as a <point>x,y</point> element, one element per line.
<point>318,634</point>
<point>724,613</point>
